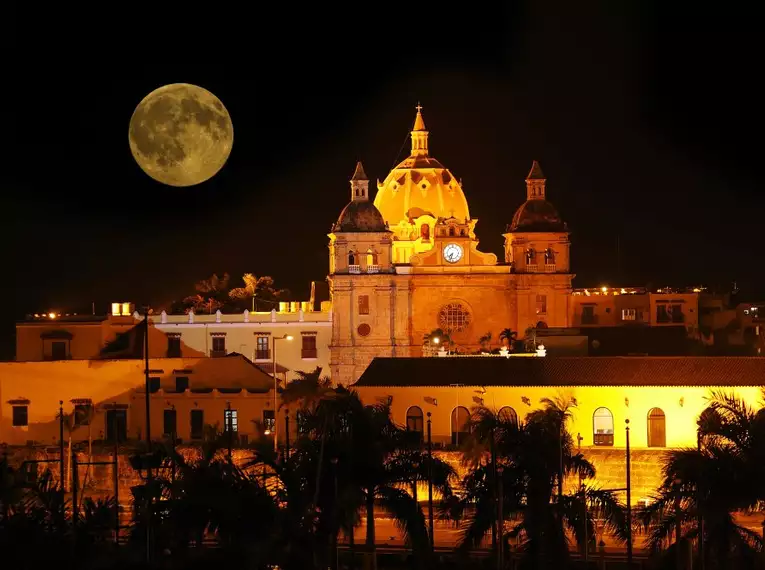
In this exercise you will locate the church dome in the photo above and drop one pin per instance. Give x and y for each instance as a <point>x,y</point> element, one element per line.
<point>537,216</point>
<point>360,216</point>
<point>420,185</point>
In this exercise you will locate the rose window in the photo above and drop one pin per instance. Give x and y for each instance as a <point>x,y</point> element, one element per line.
<point>454,317</point>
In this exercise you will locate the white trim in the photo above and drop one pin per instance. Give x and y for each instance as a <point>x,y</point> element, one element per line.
<point>265,324</point>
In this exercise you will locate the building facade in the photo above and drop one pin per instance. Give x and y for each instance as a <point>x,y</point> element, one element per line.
<point>408,263</point>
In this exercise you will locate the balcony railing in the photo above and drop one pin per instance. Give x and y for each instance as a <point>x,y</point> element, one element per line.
<point>604,439</point>
<point>263,355</point>
<point>217,353</point>
<point>174,352</point>
<point>308,353</point>
<point>57,357</point>
<point>549,268</point>
<point>354,269</point>
<point>532,267</point>
<point>373,269</point>
<point>667,319</point>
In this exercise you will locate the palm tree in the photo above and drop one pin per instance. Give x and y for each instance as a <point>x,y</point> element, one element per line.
<point>528,465</point>
<point>723,476</point>
<point>485,342</point>
<point>508,337</point>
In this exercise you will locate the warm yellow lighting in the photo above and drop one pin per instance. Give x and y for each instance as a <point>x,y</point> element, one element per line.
<point>289,337</point>
<point>51,315</point>
<point>604,289</point>
<point>436,340</point>
<point>268,432</point>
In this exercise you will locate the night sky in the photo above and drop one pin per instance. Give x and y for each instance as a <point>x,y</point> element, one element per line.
<point>646,122</point>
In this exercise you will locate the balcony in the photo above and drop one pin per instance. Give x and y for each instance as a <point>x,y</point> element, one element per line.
<point>549,268</point>
<point>174,352</point>
<point>589,319</point>
<point>354,269</point>
<point>665,319</point>
<point>52,357</point>
<point>605,439</point>
<point>532,268</point>
<point>263,355</point>
<point>308,353</point>
<point>373,269</point>
<point>217,353</point>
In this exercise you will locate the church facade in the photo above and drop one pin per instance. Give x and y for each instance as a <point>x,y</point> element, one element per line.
<point>408,263</point>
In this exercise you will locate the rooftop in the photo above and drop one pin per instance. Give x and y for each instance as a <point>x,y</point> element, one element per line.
<point>565,371</point>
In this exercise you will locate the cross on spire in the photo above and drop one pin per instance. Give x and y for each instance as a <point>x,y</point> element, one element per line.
<point>418,107</point>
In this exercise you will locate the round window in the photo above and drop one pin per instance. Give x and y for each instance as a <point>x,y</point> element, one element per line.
<point>364,329</point>
<point>454,317</point>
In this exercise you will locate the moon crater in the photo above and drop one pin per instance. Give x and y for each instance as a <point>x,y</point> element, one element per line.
<point>181,135</point>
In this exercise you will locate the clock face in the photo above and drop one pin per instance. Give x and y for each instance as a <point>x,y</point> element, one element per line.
<point>452,253</point>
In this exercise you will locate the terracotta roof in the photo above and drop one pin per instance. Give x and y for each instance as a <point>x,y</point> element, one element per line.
<point>565,371</point>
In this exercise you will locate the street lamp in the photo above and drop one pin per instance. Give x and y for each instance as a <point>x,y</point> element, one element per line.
<point>273,356</point>
<point>629,495</point>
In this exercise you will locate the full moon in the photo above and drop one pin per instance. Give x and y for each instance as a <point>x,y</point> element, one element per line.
<point>181,135</point>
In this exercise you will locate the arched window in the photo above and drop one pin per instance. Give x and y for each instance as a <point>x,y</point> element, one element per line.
<point>414,419</point>
<point>549,257</point>
<point>460,417</point>
<point>425,231</point>
<point>531,257</point>
<point>371,257</point>
<point>657,428</point>
<point>603,427</point>
<point>352,258</point>
<point>508,414</point>
<point>451,231</point>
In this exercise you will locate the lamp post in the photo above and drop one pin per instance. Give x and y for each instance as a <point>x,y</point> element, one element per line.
<point>334,554</point>
<point>629,497</point>
<point>500,519</point>
<point>286,434</point>
<point>273,356</point>
<point>702,563</point>
<point>430,487</point>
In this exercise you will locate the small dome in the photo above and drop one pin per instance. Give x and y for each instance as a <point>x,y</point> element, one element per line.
<point>360,216</point>
<point>537,216</point>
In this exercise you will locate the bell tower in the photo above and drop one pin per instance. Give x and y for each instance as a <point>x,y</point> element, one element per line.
<point>537,249</point>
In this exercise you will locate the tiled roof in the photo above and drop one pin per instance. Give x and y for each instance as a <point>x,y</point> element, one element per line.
<point>565,371</point>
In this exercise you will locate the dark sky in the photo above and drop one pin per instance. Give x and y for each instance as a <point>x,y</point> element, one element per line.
<point>646,122</point>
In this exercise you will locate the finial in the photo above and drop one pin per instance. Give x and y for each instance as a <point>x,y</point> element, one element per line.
<point>419,123</point>
<point>418,107</point>
<point>359,173</point>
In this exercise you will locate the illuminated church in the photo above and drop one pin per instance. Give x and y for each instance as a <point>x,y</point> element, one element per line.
<point>408,263</point>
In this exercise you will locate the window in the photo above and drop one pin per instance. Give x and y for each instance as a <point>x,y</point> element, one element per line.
<point>218,346</point>
<point>603,427</point>
<point>657,428</point>
<point>541,304</point>
<point>460,417</point>
<point>230,420</point>
<point>20,416</point>
<point>451,231</point>
<point>197,424</point>
<point>309,346</point>
<point>531,257</point>
<point>588,315</point>
<point>269,420</point>
<point>629,314</point>
<point>169,423</point>
<point>371,257</point>
<point>414,419</point>
<point>549,257</point>
<point>363,304</point>
<point>174,346</point>
<point>153,384</point>
<point>58,350</point>
<point>116,425</point>
<point>83,411</point>
<point>425,232</point>
<point>454,317</point>
<point>508,414</point>
<point>352,259</point>
<point>181,383</point>
<point>263,348</point>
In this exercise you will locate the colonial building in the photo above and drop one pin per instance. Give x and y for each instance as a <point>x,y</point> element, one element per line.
<point>409,263</point>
